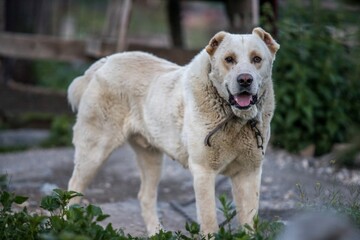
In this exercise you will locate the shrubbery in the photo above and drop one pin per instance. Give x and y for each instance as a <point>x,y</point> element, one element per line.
<point>60,222</point>
<point>60,132</point>
<point>82,223</point>
<point>316,78</point>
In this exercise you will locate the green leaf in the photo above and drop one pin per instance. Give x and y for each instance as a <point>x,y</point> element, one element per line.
<point>20,199</point>
<point>193,228</point>
<point>93,210</point>
<point>50,203</point>
<point>75,194</point>
<point>5,199</point>
<point>102,217</point>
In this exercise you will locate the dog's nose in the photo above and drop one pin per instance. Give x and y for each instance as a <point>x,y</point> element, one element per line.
<point>245,79</point>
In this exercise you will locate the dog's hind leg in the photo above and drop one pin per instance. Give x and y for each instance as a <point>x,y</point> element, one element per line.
<point>150,163</point>
<point>93,145</point>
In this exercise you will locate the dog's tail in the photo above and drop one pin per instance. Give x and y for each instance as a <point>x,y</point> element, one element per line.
<point>79,84</point>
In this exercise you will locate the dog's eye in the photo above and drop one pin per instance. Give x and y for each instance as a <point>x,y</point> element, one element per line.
<point>229,60</point>
<point>257,59</point>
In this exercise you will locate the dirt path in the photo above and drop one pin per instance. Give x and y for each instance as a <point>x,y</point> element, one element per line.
<point>35,172</point>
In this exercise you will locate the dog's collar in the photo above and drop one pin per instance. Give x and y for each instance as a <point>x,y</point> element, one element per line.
<point>258,136</point>
<point>212,132</point>
<point>252,122</point>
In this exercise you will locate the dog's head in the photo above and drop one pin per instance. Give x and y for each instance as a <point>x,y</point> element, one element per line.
<point>240,67</point>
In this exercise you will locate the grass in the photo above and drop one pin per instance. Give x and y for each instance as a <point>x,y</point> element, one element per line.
<point>27,120</point>
<point>60,130</point>
<point>345,202</point>
<point>10,149</point>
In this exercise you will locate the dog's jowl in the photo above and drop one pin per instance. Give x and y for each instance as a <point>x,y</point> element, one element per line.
<point>212,115</point>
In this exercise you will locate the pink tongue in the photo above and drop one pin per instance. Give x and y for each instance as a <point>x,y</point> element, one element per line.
<point>243,100</point>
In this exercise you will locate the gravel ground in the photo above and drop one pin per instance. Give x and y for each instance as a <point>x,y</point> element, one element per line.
<point>36,172</point>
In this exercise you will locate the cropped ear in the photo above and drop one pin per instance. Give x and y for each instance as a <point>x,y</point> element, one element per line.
<point>215,42</point>
<point>267,38</point>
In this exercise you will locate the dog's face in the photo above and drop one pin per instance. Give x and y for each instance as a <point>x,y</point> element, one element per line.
<point>240,65</point>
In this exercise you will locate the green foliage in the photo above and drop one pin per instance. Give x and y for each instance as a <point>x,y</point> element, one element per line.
<point>26,120</point>
<point>193,228</point>
<point>8,149</point>
<point>3,182</point>
<point>82,223</point>
<point>227,209</point>
<point>60,129</point>
<point>156,19</point>
<point>55,74</point>
<point>316,78</point>
<point>260,230</point>
<point>16,225</point>
<point>74,222</point>
<point>60,132</point>
<point>346,202</point>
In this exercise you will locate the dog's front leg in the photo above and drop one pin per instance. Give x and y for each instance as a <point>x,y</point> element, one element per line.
<point>204,187</point>
<point>246,191</point>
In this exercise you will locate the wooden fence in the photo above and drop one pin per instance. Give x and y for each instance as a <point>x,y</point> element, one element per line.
<point>15,98</point>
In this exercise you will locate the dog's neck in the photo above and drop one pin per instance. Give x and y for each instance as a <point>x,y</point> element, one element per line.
<point>215,110</point>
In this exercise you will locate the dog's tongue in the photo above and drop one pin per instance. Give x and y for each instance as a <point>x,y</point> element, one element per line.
<point>243,100</point>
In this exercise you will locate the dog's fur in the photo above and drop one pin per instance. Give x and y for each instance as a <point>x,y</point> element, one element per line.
<point>160,107</point>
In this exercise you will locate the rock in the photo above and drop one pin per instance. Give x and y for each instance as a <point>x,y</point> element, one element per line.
<point>315,226</point>
<point>309,151</point>
<point>47,188</point>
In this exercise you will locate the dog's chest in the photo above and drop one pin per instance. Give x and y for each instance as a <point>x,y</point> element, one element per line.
<point>235,148</point>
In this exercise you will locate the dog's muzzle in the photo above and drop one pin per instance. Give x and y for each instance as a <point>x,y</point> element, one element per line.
<point>243,100</point>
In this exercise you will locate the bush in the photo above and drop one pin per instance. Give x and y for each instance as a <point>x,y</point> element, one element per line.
<point>82,223</point>
<point>60,132</point>
<point>315,79</point>
<point>56,74</point>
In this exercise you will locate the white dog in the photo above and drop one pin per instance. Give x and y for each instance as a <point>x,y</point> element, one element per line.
<point>212,115</point>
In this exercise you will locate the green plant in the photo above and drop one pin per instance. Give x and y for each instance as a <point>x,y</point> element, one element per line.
<point>26,120</point>
<point>315,81</point>
<point>16,225</point>
<point>82,223</point>
<point>60,132</point>
<point>56,74</point>
<point>228,210</point>
<point>74,222</point>
<point>8,149</point>
<point>261,229</point>
<point>343,201</point>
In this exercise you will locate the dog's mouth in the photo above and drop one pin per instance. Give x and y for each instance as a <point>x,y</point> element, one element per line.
<point>243,100</point>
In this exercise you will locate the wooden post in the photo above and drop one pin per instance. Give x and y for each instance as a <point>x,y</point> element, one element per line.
<point>2,15</point>
<point>123,26</point>
<point>116,26</point>
<point>255,12</point>
<point>174,17</point>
